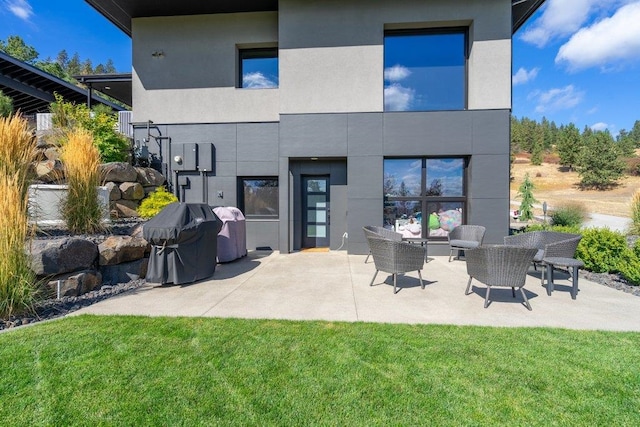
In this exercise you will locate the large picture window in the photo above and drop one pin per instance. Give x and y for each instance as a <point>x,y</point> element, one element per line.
<point>425,70</point>
<point>424,197</point>
<point>259,197</point>
<point>258,68</point>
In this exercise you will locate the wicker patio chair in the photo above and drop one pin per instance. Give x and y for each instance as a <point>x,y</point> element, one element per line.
<point>548,244</point>
<point>465,237</point>
<point>499,266</point>
<point>395,257</point>
<point>381,232</point>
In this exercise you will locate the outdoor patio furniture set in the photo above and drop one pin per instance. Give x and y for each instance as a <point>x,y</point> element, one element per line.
<point>493,265</point>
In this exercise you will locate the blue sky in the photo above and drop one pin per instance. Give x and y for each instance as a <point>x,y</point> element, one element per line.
<point>52,25</point>
<point>574,61</point>
<point>579,61</point>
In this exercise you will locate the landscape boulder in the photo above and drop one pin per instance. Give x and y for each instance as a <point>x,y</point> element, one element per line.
<point>77,283</point>
<point>120,249</point>
<point>63,255</point>
<point>118,172</point>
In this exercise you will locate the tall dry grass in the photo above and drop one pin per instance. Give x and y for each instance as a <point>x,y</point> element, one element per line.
<point>81,210</point>
<point>18,287</point>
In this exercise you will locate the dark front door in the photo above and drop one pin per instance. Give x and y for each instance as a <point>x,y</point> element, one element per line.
<point>315,211</point>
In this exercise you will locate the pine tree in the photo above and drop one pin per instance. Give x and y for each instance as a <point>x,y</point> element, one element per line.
<point>599,163</point>
<point>568,145</point>
<point>525,193</point>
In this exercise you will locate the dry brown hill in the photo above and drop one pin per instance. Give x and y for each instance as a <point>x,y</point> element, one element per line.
<point>555,185</point>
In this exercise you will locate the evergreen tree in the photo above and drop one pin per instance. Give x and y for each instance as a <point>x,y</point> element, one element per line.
<point>634,134</point>
<point>16,47</point>
<point>63,59</point>
<point>537,149</point>
<point>6,105</point>
<point>599,163</point>
<point>74,67</point>
<point>568,145</point>
<point>525,193</point>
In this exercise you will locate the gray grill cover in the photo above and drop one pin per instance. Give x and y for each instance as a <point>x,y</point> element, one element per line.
<point>232,239</point>
<point>184,243</point>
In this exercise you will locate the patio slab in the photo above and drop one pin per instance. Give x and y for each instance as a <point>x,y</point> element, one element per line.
<point>334,286</point>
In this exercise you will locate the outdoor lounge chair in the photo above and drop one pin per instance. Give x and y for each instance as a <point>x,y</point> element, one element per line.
<point>382,232</point>
<point>504,266</point>
<point>395,257</point>
<point>549,244</point>
<point>465,237</point>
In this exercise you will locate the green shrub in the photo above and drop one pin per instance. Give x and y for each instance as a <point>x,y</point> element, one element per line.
<point>155,201</point>
<point>101,123</point>
<point>602,249</point>
<point>569,214</point>
<point>629,266</point>
<point>560,228</point>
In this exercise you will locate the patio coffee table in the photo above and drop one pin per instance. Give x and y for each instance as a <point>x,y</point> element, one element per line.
<point>569,263</point>
<point>422,241</point>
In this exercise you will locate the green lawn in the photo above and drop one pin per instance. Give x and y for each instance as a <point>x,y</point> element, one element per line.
<point>93,370</point>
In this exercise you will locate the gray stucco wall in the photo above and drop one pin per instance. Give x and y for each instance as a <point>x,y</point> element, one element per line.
<point>329,105</point>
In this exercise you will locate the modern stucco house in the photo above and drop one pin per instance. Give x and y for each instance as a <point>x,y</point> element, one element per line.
<point>319,117</point>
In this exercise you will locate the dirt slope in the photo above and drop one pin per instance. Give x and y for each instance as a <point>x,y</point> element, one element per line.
<point>556,186</point>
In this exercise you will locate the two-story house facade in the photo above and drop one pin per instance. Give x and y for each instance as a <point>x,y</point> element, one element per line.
<point>318,117</point>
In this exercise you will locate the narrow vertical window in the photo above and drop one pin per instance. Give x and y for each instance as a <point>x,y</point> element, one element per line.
<point>258,68</point>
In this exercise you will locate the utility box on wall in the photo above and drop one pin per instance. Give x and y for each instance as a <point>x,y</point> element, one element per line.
<point>184,157</point>
<point>206,157</point>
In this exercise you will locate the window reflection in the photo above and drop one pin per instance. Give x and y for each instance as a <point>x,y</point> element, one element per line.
<point>402,177</point>
<point>424,197</point>
<point>260,197</point>
<point>425,70</point>
<point>259,68</point>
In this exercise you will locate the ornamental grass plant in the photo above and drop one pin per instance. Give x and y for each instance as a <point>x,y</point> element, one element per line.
<point>635,214</point>
<point>81,209</point>
<point>18,288</point>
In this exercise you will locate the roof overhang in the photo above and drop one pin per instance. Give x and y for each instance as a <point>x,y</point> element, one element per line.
<point>117,86</point>
<point>32,90</point>
<point>120,12</point>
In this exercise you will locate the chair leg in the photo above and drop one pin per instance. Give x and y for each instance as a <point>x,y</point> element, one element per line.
<point>468,286</point>
<point>367,258</point>
<point>374,278</point>
<point>450,254</point>
<point>542,269</point>
<point>513,291</point>
<point>421,282</point>
<point>395,278</point>
<point>526,300</point>
<point>486,298</point>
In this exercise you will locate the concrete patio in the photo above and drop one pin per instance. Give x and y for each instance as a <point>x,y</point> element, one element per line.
<point>334,286</point>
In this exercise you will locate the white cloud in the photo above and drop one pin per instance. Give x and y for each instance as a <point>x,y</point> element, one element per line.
<point>398,97</point>
<point>557,99</point>
<point>396,73</point>
<point>523,76</point>
<point>613,40</point>
<point>20,8</point>
<point>257,81</point>
<point>599,126</point>
<point>560,18</point>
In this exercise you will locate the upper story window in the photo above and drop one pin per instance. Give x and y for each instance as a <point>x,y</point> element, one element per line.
<point>258,68</point>
<point>425,70</point>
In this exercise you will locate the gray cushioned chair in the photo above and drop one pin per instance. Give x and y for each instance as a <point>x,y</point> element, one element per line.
<point>382,232</point>
<point>548,244</point>
<point>465,237</point>
<point>503,266</point>
<point>395,257</point>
